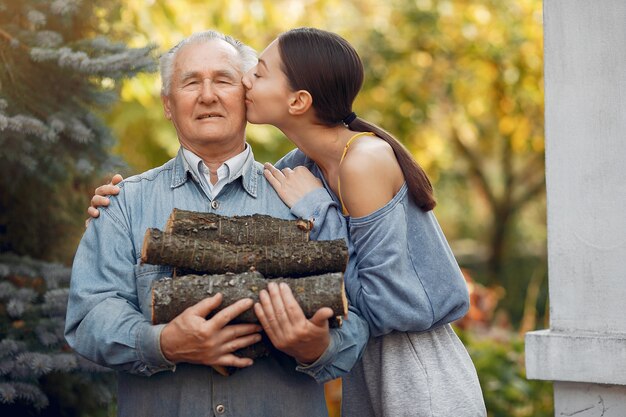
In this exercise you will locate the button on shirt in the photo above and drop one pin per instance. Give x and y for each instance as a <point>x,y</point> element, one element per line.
<point>109,307</point>
<point>226,173</point>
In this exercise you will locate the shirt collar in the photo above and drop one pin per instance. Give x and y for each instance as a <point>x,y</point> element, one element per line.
<point>236,164</point>
<point>242,165</point>
<point>193,163</point>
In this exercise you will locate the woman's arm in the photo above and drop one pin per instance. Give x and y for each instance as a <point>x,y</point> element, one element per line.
<point>402,275</point>
<point>312,201</point>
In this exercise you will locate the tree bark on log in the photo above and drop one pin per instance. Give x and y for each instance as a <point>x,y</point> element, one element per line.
<point>170,297</point>
<point>256,229</point>
<point>277,260</point>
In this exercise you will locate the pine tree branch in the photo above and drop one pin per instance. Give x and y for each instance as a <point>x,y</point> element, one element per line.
<point>5,64</point>
<point>6,36</point>
<point>12,41</point>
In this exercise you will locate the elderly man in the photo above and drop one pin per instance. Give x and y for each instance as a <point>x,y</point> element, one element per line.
<point>164,368</point>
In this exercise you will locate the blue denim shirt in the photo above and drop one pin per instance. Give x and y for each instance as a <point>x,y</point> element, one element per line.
<point>109,308</point>
<point>402,275</point>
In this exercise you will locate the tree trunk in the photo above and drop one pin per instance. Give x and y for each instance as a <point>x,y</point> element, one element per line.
<point>170,297</point>
<point>256,229</point>
<point>279,259</point>
<point>500,230</point>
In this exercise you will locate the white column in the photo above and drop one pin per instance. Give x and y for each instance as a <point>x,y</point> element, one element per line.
<point>584,351</point>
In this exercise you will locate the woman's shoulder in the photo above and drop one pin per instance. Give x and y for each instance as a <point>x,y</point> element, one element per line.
<point>369,175</point>
<point>370,154</point>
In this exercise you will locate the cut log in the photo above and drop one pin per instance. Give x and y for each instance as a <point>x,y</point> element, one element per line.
<point>256,229</point>
<point>277,260</point>
<point>170,297</point>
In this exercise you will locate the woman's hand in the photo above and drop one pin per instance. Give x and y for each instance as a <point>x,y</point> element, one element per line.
<point>288,328</point>
<point>291,184</point>
<point>100,197</point>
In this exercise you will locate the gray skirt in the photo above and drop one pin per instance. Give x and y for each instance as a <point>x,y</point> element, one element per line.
<point>426,374</point>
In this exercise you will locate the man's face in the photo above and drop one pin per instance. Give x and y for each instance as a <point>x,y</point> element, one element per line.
<point>206,98</point>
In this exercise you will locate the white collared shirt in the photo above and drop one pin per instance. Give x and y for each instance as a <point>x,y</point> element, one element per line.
<point>229,171</point>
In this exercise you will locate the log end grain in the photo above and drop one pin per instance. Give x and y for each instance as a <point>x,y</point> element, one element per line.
<point>170,221</point>
<point>344,301</point>
<point>147,239</point>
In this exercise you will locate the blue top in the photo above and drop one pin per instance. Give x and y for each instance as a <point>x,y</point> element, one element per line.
<point>401,274</point>
<point>109,308</point>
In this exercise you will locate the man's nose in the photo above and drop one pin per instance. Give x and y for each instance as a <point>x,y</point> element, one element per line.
<point>245,80</point>
<point>207,92</point>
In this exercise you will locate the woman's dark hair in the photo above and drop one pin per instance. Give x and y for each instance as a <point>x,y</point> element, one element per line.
<point>328,67</point>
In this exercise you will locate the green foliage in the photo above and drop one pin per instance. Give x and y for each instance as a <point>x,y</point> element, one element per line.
<point>57,72</point>
<point>499,361</point>
<point>39,375</point>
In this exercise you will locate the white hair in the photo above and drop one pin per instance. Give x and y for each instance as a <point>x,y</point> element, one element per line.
<point>246,54</point>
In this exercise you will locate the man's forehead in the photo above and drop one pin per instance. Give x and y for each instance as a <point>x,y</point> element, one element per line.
<point>214,54</point>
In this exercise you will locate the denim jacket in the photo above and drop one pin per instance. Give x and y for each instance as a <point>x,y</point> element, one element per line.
<point>109,308</point>
<point>402,275</point>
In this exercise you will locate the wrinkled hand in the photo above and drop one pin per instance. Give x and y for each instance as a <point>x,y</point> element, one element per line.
<point>191,338</point>
<point>287,327</point>
<point>291,184</point>
<point>100,197</point>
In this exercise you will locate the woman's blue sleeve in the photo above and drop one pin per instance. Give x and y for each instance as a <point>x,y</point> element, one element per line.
<point>402,274</point>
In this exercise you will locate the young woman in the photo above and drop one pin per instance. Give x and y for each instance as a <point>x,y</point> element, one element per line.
<point>401,274</point>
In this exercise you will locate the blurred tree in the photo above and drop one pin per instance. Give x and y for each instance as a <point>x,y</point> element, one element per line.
<point>56,73</point>
<point>461,81</point>
<point>39,375</point>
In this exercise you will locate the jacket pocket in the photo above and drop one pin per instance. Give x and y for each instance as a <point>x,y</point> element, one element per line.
<point>144,275</point>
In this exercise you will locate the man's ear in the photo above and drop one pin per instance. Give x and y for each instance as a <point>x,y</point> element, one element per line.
<point>166,106</point>
<point>300,102</point>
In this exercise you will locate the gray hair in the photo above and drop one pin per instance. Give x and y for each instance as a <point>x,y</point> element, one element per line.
<point>166,63</point>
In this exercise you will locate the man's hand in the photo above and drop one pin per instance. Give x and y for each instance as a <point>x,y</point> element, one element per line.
<point>288,328</point>
<point>191,338</point>
<point>100,197</point>
<point>291,184</point>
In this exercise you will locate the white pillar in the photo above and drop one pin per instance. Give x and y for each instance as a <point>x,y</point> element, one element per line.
<point>584,351</point>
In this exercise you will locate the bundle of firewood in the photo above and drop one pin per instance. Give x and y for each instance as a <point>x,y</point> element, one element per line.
<point>237,256</point>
